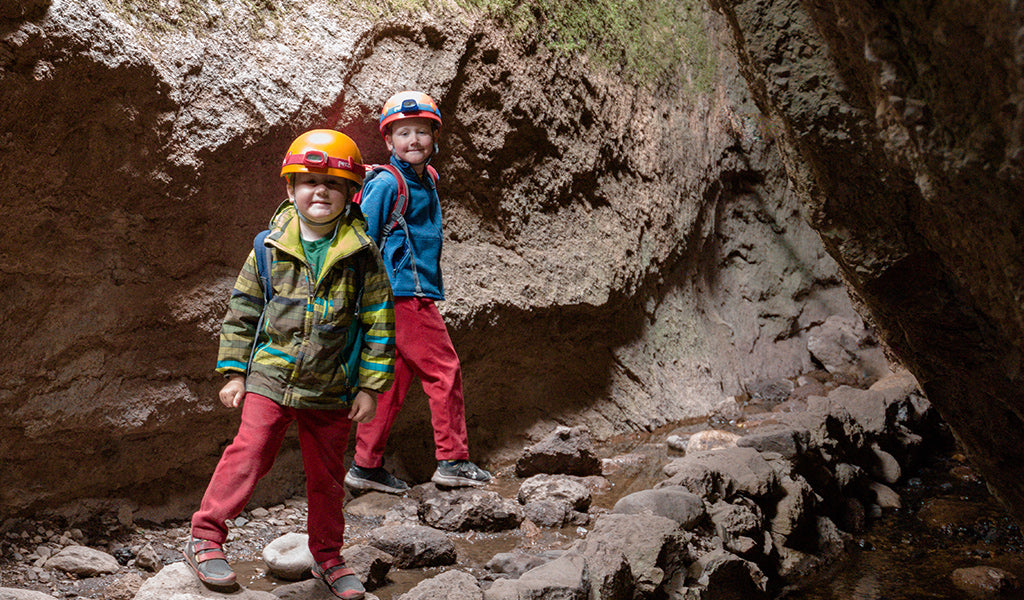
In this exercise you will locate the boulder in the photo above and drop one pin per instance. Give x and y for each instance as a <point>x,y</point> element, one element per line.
<point>288,557</point>
<point>986,582</point>
<point>450,585</point>
<point>673,502</point>
<point>567,450</point>
<point>631,553</point>
<point>723,473</point>
<point>416,546</point>
<point>564,578</point>
<point>371,565</point>
<point>556,488</point>
<point>466,509</point>
<point>178,581</point>
<point>83,561</point>
<point>513,564</point>
<point>709,439</point>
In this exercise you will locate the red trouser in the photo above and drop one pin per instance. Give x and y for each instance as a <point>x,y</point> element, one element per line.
<point>422,349</point>
<point>323,437</point>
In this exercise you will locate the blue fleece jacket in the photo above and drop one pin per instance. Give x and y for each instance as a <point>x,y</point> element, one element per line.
<point>412,257</point>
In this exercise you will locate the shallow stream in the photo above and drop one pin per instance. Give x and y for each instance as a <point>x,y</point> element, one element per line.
<point>897,557</point>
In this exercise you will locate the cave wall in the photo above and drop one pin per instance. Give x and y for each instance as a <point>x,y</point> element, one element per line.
<point>900,126</point>
<point>616,256</point>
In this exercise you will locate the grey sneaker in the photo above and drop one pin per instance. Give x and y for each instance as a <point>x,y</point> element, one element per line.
<point>374,478</point>
<point>459,473</point>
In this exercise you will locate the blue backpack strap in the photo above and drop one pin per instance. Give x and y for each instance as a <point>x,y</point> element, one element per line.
<point>263,265</point>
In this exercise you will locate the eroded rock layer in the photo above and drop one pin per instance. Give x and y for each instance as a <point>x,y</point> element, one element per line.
<point>901,129</point>
<point>614,256</point>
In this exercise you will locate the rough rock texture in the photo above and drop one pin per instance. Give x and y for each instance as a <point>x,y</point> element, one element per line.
<point>614,256</point>
<point>901,129</point>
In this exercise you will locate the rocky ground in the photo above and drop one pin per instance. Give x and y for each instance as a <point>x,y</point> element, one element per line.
<point>770,491</point>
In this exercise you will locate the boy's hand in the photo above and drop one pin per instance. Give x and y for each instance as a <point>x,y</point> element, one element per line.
<point>364,407</point>
<point>233,391</point>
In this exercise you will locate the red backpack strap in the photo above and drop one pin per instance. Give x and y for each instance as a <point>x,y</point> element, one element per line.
<point>433,174</point>
<point>401,203</point>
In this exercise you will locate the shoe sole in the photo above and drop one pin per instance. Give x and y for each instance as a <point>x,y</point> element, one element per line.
<point>452,481</point>
<point>366,484</point>
<point>219,584</point>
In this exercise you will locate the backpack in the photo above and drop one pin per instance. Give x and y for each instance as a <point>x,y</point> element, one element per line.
<point>397,216</point>
<point>354,338</point>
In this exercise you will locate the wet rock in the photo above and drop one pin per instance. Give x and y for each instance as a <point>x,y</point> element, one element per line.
<point>374,504</point>
<point>885,466</point>
<point>451,585</point>
<point>832,432</point>
<point>787,441</point>
<point>725,575</point>
<point>564,578</point>
<point>740,526</point>
<point>515,563</point>
<point>310,589</point>
<point>673,502</point>
<point>178,581</point>
<point>677,442</point>
<point>849,477</point>
<point>148,559</point>
<point>885,497</point>
<point>567,450</point>
<point>804,391</point>
<point>772,391</point>
<point>371,565</point>
<point>709,439</point>
<point>17,594</point>
<point>405,513</point>
<point>727,410</point>
<point>986,582</point>
<point>628,554</point>
<point>412,547</point>
<point>288,557</point>
<point>845,348</point>
<point>867,408</point>
<point>465,509</point>
<point>793,518</point>
<point>555,488</point>
<point>547,513</point>
<point>83,561</point>
<point>723,473</point>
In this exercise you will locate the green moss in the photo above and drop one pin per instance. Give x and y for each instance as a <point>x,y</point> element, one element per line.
<point>649,40</point>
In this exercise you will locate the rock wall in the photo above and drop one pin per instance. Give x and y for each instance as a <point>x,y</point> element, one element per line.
<point>615,256</point>
<point>901,129</point>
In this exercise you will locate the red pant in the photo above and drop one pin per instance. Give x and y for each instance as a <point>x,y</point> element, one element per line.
<point>422,349</point>
<point>323,437</point>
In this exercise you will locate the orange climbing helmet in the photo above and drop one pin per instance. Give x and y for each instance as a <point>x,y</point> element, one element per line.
<point>324,151</point>
<point>405,105</point>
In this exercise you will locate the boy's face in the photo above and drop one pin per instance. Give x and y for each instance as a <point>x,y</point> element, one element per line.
<point>412,140</point>
<point>320,198</point>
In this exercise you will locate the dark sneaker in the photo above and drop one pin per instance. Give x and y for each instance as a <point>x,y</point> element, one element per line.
<point>459,473</point>
<point>208,563</point>
<point>375,478</point>
<point>341,580</point>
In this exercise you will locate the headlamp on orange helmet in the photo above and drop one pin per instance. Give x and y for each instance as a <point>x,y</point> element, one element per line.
<point>327,152</point>
<point>406,105</point>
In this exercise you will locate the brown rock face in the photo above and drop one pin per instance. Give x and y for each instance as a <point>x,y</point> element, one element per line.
<point>901,129</point>
<point>615,257</point>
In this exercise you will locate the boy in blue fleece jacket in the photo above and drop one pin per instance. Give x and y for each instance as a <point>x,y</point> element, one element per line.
<point>410,122</point>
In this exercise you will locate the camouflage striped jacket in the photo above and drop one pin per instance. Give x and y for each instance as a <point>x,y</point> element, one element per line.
<point>300,359</point>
